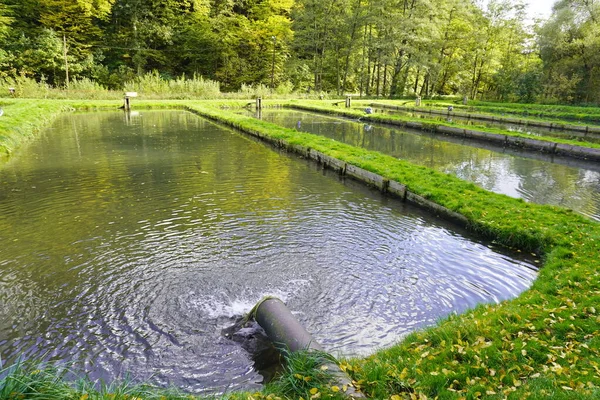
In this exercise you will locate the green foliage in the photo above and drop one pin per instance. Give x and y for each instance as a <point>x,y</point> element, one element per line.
<point>5,20</point>
<point>569,43</point>
<point>83,88</point>
<point>152,84</point>
<point>381,48</point>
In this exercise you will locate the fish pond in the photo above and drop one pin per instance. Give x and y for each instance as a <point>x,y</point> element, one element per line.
<point>481,120</point>
<point>532,176</point>
<point>130,241</point>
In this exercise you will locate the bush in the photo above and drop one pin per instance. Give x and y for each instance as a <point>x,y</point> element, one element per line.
<point>152,85</point>
<point>84,88</point>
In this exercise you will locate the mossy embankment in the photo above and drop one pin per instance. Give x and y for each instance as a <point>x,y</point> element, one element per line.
<point>23,118</point>
<point>548,111</point>
<point>544,344</point>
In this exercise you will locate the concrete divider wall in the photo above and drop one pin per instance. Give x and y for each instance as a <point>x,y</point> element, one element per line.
<point>367,177</point>
<point>582,152</point>
<point>486,136</point>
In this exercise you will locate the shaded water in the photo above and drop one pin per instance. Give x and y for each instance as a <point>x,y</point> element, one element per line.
<point>533,176</point>
<point>128,244</point>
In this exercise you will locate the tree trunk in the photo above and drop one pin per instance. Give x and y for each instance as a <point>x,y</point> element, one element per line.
<point>352,38</point>
<point>385,68</point>
<point>378,73</point>
<point>417,77</point>
<point>66,61</point>
<point>368,91</point>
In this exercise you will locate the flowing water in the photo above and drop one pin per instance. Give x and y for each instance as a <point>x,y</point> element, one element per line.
<point>532,176</point>
<point>129,243</point>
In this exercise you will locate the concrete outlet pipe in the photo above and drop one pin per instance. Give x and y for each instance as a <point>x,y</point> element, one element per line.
<point>282,327</point>
<point>284,330</point>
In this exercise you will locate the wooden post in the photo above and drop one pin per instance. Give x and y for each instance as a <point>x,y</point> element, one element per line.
<point>348,101</point>
<point>66,61</point>
<point>259,103</point>
<point>128,96</point>
<point>418,101</point>
<point>273,65</point>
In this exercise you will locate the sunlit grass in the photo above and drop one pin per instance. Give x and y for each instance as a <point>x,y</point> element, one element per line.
<point>550,112</point>
<point>21,120</point>
<point>38,380</point>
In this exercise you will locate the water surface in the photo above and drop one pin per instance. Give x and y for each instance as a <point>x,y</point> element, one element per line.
<point>129,243</point>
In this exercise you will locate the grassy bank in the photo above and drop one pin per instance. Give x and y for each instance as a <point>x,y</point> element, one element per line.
<point>544,344</point>
<point>23,118</point>
<point>31,380</point>
<point>486,118</point>
<point>21,121</point>
<point>555,114</point>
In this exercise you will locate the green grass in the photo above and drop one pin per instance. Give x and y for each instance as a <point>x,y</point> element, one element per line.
<point>306,375</point>
<point>22,119</point>
<point>37,380</point>
<point>543,344</point>
<point>461,111</point>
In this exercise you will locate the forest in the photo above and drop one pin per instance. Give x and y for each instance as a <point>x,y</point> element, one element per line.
<point>376,48</point>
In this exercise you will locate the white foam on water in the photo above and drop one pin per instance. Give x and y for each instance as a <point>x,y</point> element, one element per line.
<point>222,305</point>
